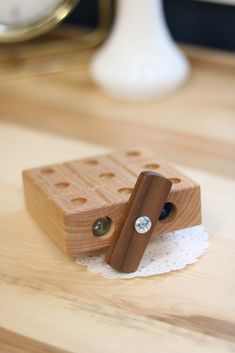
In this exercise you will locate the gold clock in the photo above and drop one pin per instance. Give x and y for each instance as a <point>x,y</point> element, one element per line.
<point>25,19</point>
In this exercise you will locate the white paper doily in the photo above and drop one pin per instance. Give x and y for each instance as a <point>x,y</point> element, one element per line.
<point>165,253</point>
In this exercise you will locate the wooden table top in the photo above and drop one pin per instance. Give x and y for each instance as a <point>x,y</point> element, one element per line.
<point>49,303</point>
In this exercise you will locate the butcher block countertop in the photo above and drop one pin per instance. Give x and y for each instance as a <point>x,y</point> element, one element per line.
<point>48,303</point>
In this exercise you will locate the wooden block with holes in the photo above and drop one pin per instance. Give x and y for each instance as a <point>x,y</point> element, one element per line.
<point>80,203</point>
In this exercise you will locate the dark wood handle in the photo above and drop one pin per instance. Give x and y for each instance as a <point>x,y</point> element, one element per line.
<point>144,208</point>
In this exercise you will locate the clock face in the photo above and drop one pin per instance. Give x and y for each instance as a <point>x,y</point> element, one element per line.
<point>21,12</point>
<point>24,19</point>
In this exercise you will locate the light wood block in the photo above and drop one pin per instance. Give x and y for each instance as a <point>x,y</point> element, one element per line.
<point>66,199</point>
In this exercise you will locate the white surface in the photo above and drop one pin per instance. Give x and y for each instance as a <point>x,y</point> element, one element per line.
<point>25,11</point>
<point>139,61</point>
<point>165,253</point>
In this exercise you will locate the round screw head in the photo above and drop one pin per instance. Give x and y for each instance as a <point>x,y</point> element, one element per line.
<point>143,224</point>
<point>101,226</point>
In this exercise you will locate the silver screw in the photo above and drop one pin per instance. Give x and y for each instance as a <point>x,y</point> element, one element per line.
<point>143,224</point>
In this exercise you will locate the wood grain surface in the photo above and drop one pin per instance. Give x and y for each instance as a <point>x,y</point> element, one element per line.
<point>48,302</point>
<point>147,200</point>
<point>66,199</point>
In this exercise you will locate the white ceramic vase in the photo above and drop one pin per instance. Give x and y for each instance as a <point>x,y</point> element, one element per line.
<point>139,61</point>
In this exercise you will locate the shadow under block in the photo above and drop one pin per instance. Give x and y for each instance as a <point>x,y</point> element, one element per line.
<point>66,199</point>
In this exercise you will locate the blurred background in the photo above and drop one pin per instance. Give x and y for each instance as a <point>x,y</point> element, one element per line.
<point>49,79</point>
<point>204,23</point>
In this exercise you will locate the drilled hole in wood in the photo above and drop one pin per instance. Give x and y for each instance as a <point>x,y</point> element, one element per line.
<point>175,180</point>
<point>107,175</point>
<point>62,185</point>
<point>47,171</point>
<point>133,153</point>
<point>168,213</point>
<point>152,166</point>
<point>125,190</point>
<point>91,161</point>
<point>78,201</point>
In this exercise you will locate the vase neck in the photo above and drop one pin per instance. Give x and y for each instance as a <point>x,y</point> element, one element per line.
<point>139,10</point>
